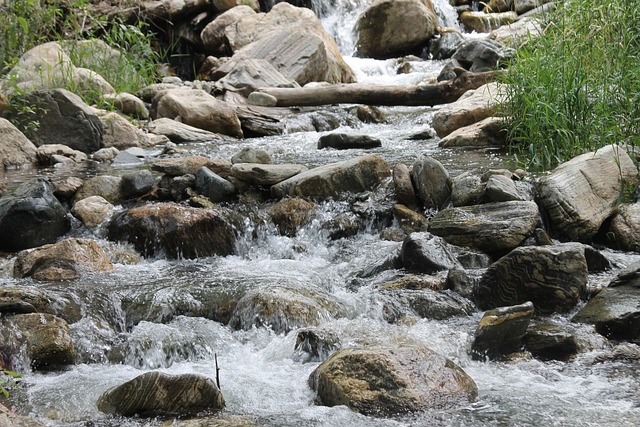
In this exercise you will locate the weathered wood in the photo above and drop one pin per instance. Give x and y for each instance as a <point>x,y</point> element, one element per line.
<point>357,93</point>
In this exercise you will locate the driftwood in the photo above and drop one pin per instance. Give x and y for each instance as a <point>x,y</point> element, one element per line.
<point>369,94</point>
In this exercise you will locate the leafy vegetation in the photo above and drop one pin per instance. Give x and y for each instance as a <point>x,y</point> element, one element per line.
<point>577,87</point>
<point>8,380</point>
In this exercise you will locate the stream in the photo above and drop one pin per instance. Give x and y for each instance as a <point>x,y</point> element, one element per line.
<point>262,376</point>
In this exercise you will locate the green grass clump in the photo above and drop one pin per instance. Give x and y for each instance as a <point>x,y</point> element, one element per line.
<point>577,87</point>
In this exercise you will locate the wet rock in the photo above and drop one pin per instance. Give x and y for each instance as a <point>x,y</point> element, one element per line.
<point>394,28</point>
<point>621,352</point>
<point>105,155</point>
<point>106,186</point>
<point>445,46</point>
<point>624,231</point>
<point>431,182</point>
<point>488,132</point>
<point>579,195</point>
<point>482,22</point>
<point>472,107</point>
<point>463,282</point>
<point>477,55</point>
<point>176,188</point>
<point>248,75</point>
<point>405,193</point>
<point>21,296</point>
<point>491,227</point>
<point>15,150</point>
<point>435,282</point>
<point>424,303</point>
<point>178,231</point>
<point>466,190</point>
<point>409,220</point>
<point>501,331</point>
<point>218,420</point>
<point>426,253</point>
<point>213,186</point>
<point>384,381</point>
<point>50,154</point>
<point>343,225</point>
<point>190,165</point>
<point>355,175</point>
<point>118,132</point>
<point>548,341</point>
<point>93,210</point>
<point>291,214</point>
<point>283,309</point>
<point>9,418</point>
<point>136,184</point>
<point>265,175</point>
<point>314,345</point>
<point>252,155</point>
<point>198,109</point>
<point>344,141</point>
<point>553,278</point>
<point>62,260</point>
<point>156,394</point>
<point>499,188</point>
<point>31,216</point>
<point>45,337</point>
<point>181,133</point>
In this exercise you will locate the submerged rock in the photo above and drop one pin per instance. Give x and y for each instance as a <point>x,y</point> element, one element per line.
<point>385,381</point>
<point>291,214</point>
<point>156,394</point>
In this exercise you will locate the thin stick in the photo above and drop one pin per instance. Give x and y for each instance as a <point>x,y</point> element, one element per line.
<point>217,371</point>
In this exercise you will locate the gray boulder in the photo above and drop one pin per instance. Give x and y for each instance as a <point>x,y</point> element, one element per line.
<point>424,303</point>
<point>251,155</point>
<point>431,182</point>
<point>344,141</point>
<point>213,186</point>
<point>426,253</point>
<point>624,231</point>
<point>15,150</point>
<point>106,186</point>
<point>489,132</point>
<point>579,195</point>
<point>180,132</point>
<point>136,184</point>
<point>266,175</point>
<point>251,73</point>
<point>386,381</point>
<point>156,394</point>
<point>478,55</point>
<point>178,166</point>
<point>213,34</point>
<point>501,331</point>
<point>405,193</point>
<point>31,216</point>
<point>553,278</point>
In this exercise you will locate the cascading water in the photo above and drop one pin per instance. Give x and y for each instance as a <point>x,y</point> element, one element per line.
<point>165,315</point>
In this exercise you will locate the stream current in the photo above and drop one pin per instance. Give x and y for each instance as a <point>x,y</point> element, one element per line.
<point>263,378</point>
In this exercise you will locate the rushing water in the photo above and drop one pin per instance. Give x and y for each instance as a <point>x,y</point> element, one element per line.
<point>263,378</point>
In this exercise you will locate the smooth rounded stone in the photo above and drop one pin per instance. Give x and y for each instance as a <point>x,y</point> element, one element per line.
<point>174,230</point>
<point>445,46</point>
<point>491,227</point>
<point>93,210</point>
<point>579,195</point>
<point>199,109</point>
<point>9,306</point>
<point>213,34</point>
<point>624,231</point>
<point>16,149</point>
<point>431,182</point>
<point>284,309</point>
<point>466,190</point>
<point>120,133</point>
<point>425,253</point>
<point>74,255</point>
<point>348,176</point>
<point>105,155</point>
<point>482,22</point>
<point>291,214</point>
<point>213,186</point>
<point>314,345</point>
<point>148,93</point>
<point>136,184</point>
<point>262,99</point>
<point>486,133</point>
<point>45,338</point>
<point>472,107</point>
<point>499,188</point>
<point>392,28</point>
<point>31,216</point>
<point>409,220</point>
<point>106,186</point>
<point>154,394</point>
<point>344,141</point>
<point>370,114</point>
<point>252,155</point>
<point>403,187</point>
<point>124,158</point>
<point>128,104</point>
<point>181,133</point>
<point>501,331</point>
<point>391,381</point>
<point>614,312</point>
<point>265,174</point>
<point>477,55</point>
<point>424,303</point>
<point>549,341</point>
<point>553,278</point>
<point>48,152</point>
<point>190,165</point>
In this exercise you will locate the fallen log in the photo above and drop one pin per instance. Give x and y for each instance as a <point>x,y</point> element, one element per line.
<point>370,94</point>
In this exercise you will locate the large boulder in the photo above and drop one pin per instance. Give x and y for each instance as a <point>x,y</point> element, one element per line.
<point>553,278</point>
<point>120,133</point>
<point>491,227</point>
<point>154,394</point>
<point>31,216</point>
<point>61,261</point>
<point>424,303</point>
<point>16,149</point>
<point>178,231</point>
<point>250,74</point>
<point>213,36</point>
<point>489,132</point>
<point>392,28</point>
<point>197,108</point>
<point>180,132</point>
<point>624,231</point>
<point>579,195</point>
<point>426,253</point>
<point>386,381</point>
<point>431,182</point>
<point>355,175</point>
<point>63,118</point>
<point>501,331</point>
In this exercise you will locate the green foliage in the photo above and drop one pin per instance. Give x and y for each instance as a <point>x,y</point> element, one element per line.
<point>576,88</point>
<point>8,380</point>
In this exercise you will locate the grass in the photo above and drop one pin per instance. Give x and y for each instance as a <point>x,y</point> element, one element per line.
<point>577,87</point>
